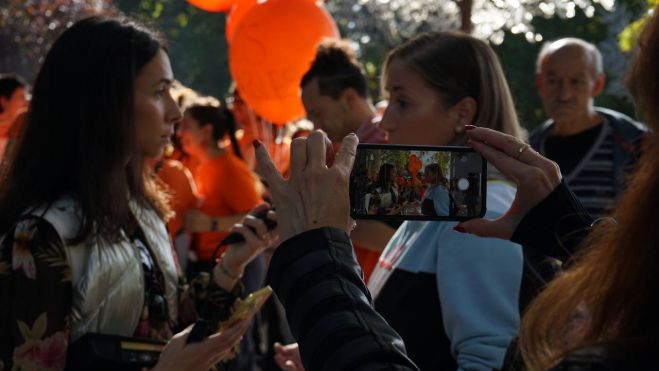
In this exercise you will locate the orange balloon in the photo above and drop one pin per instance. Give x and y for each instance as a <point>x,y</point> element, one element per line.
<point>271,50</point>
<point>213,5</point>
<point>237,14</point>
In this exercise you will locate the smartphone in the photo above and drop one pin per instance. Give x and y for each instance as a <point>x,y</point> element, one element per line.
<point>399,182</point>
<point>243,309</point>
<point>246,308</point>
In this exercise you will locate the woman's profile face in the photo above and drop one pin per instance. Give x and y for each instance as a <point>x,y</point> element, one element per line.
<point>156,112</point>
<point>416,113</point>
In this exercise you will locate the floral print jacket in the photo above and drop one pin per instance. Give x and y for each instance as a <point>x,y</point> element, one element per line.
<point>36,300</point>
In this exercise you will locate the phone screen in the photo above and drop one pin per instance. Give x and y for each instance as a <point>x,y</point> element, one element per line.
<point>393,182</point>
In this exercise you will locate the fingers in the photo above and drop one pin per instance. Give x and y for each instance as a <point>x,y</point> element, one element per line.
<point>499,228</point>
<point>346,156</point>
<point>259,209</point>
<point>329,152</point>
<point>509,145</point>
<point>253,240</point>
<point>298,157</point>
<point>507,165</point>
<point>266,168</point>
<point>316,149</point>
<point>220,344</point>
<point>257,225</point>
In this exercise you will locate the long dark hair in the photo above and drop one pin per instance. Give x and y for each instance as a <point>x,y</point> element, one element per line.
<point>222,121</point>
<point>80,137</point>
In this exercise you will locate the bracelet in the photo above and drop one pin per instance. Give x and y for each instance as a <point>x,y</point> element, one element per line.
<point>226,272</point>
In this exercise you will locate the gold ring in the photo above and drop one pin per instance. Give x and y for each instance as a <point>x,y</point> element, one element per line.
<point>519,151</point>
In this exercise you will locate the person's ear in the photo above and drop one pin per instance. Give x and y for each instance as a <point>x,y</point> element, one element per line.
<point>599,85</point>
<point>207,131</point>
<point>465,111</point>
<point>348,98</point>
<point>539,84</point>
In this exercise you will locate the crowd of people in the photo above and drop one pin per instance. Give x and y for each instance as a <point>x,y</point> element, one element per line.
<point>117,186</point>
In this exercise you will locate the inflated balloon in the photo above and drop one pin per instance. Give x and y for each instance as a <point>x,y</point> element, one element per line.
<point>271,50</point>
<point>414,165</point>
<point>213,5</point>
<point>238,12</point>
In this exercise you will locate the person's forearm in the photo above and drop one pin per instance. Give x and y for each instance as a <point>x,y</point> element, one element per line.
<point>329,308</point>
<point>556,226</point>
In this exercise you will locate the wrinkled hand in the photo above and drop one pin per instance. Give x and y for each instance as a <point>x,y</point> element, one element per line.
<point>314,195</point>
<point>288,357</point>
<point>257,238</point>
<point>203,355</point>
<point>197,221</point>
<point>536,177</point>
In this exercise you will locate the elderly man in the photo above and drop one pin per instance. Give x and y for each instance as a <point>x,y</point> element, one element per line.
<point>593,146</point>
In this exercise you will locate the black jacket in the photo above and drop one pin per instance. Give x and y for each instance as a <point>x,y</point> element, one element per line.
<point>329,309</point>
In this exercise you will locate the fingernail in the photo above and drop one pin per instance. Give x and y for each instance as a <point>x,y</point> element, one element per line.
<point>457,228</point>
<point>256,143</point>
<point>470,127</point>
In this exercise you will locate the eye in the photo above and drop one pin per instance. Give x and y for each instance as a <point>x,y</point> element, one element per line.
<point>161,92</point>
<point>401,103</point>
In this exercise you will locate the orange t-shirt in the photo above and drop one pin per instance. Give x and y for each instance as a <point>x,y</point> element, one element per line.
<point>182,191</point>
<point>225,187</point>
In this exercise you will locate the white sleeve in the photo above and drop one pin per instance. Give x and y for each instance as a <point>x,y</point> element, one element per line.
<point>478,280</point>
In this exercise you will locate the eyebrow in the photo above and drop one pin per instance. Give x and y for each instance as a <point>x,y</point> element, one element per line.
<point>164,80</point>
<point>395,88</point>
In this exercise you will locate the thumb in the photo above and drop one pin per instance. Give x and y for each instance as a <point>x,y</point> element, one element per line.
<point>498,228</point>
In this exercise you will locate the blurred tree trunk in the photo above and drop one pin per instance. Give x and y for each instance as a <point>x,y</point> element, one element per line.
<point>465,7</point>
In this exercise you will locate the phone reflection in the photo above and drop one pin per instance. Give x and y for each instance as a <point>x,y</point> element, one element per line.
<point>416,183</point>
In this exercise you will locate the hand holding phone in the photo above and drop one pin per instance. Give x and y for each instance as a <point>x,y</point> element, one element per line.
<point>243,309</point>
<point>393,182</point>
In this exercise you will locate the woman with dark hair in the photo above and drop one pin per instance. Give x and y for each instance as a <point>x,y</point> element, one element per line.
<point>384,194</point>
<point>84,247</point>
<point>225,186</point>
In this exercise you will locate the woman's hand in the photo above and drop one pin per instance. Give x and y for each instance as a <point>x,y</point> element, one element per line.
<point>535,176</point>
<point>237,256</point>
<point>314,195</point>
<point>288,357</point>
<point>203,355</point>
<point>196,221</point>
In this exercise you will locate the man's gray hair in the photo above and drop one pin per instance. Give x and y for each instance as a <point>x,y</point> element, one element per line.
<point>591,50</point>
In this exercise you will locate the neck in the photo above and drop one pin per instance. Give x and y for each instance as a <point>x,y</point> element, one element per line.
<point>582,123</point>
<point>213,151</point>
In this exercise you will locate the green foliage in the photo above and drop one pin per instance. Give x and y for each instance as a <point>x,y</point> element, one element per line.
<point>627,38</point>
<point>198,48</point>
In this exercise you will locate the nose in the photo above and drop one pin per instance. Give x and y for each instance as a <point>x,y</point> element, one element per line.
<point>387,123</point>
<point>564,91</point>
<point>173,113</point>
